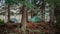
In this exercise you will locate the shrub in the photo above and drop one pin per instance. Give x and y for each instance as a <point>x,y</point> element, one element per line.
<point>1,22</point>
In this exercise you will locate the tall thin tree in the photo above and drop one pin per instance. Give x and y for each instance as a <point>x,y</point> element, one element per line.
<point>9,3</point>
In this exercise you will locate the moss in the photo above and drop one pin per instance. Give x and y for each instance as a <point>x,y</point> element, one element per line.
<point>1,22</point>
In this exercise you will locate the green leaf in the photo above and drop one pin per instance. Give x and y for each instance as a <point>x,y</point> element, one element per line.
<point>10,2</point>
<point>27,3</point>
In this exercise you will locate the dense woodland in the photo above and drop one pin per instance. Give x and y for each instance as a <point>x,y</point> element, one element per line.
<point>34,16</point>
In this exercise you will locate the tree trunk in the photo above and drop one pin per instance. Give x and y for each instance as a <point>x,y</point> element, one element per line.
<point>32,12</point>
<point>52,17</point>
<point>52,13</point>
<point>24,18</point>
<point>8,13</point>
<point>43,10</point>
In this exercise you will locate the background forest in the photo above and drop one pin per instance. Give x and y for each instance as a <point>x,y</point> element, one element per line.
<point>13,8</point>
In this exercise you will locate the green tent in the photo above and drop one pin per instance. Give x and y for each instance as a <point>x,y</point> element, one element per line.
<point>36,19</point>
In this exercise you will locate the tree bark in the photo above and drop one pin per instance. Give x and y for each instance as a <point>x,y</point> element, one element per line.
<point>43,10</point>
<point>8,13</point>
<point>52,17</point>
<point>24,18</point>
<point>52,13</point>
